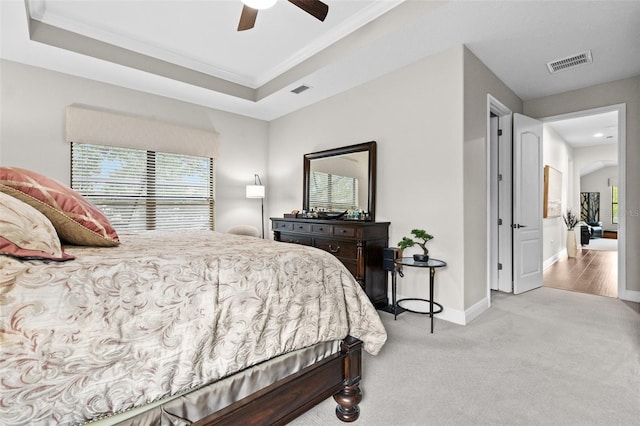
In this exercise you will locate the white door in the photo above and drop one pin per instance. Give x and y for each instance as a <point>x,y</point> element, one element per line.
<point>527,203</point>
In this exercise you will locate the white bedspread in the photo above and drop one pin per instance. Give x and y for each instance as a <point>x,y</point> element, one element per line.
<point>123,326</point>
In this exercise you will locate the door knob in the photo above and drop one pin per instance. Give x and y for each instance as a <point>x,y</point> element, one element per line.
<point>518,226</point>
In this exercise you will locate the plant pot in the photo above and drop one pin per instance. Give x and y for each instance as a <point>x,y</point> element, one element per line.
<point>572,244</point>
<point>421,257</point>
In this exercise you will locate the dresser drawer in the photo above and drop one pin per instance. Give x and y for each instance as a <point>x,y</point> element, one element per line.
<point>344,231</point>
<point>301,227</point>
<point>343,249</point>
<point>282,226</point>
<point>296,239</point>
<point>320,229</point>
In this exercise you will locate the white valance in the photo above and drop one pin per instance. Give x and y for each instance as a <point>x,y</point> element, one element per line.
<point>86,125</point>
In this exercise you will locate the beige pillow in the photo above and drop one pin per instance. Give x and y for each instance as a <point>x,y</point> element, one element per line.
<point>26,233</point>
<point>77,220</point>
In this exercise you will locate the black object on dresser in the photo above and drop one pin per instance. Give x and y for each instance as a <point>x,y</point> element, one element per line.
<point>358,245</point>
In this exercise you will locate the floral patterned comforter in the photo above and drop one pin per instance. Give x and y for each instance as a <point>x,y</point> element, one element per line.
<point>123,326</point>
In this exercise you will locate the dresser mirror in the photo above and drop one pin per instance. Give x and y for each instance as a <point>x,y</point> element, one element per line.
<point>341,179</point>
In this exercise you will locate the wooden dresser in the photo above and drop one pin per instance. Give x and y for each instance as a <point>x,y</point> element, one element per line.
<point>358,244</point>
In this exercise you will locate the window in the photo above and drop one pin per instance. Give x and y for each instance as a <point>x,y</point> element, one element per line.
<point>614,204</point>
<point>143,190</point>
<point>333,192</point>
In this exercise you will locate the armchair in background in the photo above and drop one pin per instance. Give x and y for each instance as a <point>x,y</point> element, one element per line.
<point>585,235</point>
<point>249,230</point>
<point>595,229</point>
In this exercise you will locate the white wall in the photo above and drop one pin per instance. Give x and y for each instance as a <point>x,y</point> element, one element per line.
<point>598,181</point>
<point>586,157</point>
<point>559,155</point>
<point>32,131</point>
<point>415,115</point>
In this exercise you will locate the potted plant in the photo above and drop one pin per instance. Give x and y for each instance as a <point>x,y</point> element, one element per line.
<point>571,220</point>
<point>421,239</point>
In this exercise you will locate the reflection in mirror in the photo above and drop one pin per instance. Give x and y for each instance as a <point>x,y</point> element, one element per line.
<point>339,183</point>
<point>341,179</point>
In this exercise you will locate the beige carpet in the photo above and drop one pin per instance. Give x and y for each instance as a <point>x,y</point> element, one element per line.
<point>546,357</point>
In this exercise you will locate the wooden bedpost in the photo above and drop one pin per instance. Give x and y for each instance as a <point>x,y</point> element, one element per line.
<point>284,400</point>
<point>350,396</point>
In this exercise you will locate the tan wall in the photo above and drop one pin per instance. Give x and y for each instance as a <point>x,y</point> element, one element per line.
<point>625,91</point>
<point>415,115</point>
<point>479,82</point>
<point>32,131</point>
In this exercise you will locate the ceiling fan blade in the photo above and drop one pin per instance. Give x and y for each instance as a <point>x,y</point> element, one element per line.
<point>247,18</point>
<point>316,8</point>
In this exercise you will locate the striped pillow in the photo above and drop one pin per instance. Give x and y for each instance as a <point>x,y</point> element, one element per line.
<point>77,221</point>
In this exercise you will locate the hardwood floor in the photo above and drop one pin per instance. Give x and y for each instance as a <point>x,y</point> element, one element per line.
<point>593,272</point>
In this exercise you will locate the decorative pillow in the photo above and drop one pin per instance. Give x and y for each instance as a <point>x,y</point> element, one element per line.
<point>77,221</point>
<point>27,233</point>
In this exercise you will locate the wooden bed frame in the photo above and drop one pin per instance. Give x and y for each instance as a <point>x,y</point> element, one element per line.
<point>338,375</point>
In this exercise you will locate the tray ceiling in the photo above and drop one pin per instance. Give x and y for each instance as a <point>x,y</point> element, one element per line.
<point>190,50</point>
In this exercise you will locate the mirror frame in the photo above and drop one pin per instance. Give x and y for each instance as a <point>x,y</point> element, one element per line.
<point>369,147</point>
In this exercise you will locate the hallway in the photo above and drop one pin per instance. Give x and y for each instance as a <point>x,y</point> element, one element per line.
<point>592,272</point>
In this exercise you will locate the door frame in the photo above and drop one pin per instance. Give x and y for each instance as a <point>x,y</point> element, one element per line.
<point>621,109</point>
<point>499,109</point>
<point>495,148</point>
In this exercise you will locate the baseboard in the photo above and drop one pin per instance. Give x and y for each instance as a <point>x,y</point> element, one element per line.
<point>464,317</point>
<point>630,296</point>
<point>452,315</point>
<point>553,259</point>
<point>476,310</point>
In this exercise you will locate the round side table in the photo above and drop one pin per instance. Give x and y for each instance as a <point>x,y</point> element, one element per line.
<point>432,264</point>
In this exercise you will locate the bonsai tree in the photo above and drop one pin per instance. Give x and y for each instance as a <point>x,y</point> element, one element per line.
<point>421,239</point>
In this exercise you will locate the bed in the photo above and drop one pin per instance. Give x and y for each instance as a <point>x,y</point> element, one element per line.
<point>186,327</point>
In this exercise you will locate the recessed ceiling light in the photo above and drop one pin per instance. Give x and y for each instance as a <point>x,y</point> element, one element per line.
<point>598,135</point>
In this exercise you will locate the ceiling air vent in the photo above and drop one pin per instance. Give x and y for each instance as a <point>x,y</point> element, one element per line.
<point>570,62</point>
<point>300,89</point>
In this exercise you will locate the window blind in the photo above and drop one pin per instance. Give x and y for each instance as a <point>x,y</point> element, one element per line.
<point>145,190</point>
<point>332,192</point>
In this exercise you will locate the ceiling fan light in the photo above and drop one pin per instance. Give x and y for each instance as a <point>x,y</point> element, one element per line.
<point>259,4</point>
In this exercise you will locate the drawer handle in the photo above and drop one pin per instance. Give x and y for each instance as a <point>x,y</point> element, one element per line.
<point>320,229</point>
<point>344,231</point>
<point>332,250</point>
<point>300,227</point>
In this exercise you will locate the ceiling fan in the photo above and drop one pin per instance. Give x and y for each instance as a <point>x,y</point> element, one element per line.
<point>315,8</point>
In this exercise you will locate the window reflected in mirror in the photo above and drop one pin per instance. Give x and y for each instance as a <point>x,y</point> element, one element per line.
<point>335,182</point>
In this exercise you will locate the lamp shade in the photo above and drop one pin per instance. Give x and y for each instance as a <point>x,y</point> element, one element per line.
<point>255,191</point>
